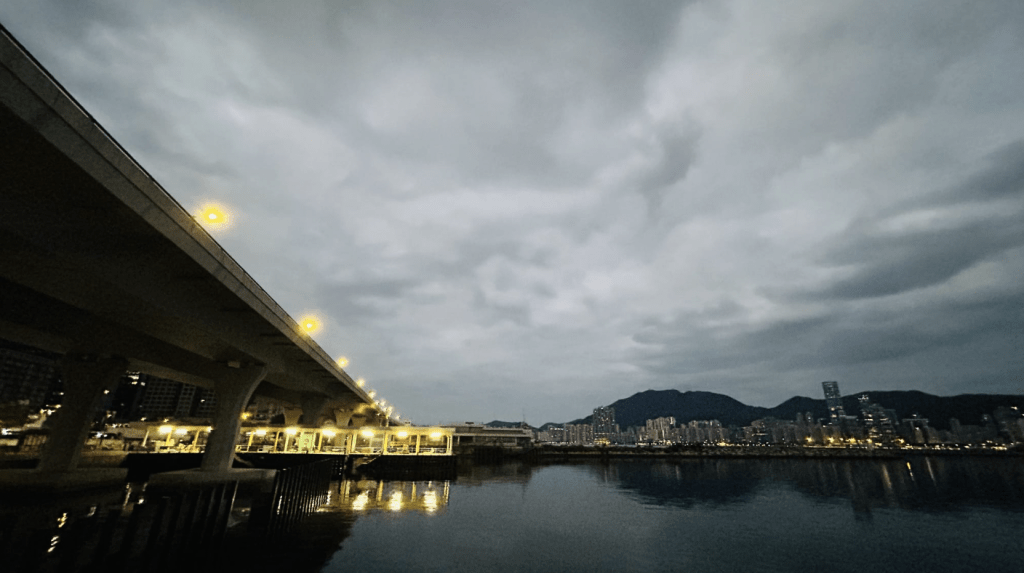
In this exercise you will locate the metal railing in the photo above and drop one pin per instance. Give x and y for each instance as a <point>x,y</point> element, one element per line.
<point>297,492</point>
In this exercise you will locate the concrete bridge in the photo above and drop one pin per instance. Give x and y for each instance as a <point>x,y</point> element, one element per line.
<point>99,263</point>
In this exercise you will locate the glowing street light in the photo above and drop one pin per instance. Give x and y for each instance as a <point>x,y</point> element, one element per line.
<point>360,382</point>
<point>309,324</point>
<point>213,215</point>
<point>342,362</point>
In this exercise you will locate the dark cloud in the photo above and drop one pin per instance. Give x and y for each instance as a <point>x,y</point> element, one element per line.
<point>930,240</point>
<point>538,206</point>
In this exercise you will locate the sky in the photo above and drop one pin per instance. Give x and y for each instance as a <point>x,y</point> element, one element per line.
<point>526,210</point>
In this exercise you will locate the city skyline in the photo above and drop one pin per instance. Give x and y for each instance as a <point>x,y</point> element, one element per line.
<point>493,212</point>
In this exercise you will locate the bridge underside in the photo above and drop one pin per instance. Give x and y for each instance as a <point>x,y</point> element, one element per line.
<point>100,264</point>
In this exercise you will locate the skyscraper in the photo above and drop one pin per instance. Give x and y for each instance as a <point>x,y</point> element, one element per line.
<point>604,422</point>
<point>834,400</point>
<point>26,374</point>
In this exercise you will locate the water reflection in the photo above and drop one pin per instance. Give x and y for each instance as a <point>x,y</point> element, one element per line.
<point>921,483</point>
<point>591,505</point>
<point>360,496</point>
<point>34,527</point>
<point>732,515</point>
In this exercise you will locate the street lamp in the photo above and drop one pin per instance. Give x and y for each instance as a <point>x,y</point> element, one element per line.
<point>213,215</point>
<point>310,324</point>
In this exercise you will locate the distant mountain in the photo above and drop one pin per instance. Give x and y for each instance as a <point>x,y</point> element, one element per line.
<point>687,406</point>
<point>501,424</point>
<point>683,406</point>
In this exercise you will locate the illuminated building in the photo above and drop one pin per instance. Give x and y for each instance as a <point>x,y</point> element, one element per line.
<point>167,398</point>
<point>880,422</point>
<point>834,400</point>
<point>604,423</point>
<point>658,429</point>
<point>579,434</point>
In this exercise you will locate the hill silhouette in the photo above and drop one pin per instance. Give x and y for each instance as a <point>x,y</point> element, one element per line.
<point>697,405</point>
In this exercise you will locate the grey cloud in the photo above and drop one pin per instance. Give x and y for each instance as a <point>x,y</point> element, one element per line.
<point>548,206</point>
<point>890,266</point>
<point>887,264</point>
<point>842,340</point>
<point>1003,178</point>
<point>675,149</point>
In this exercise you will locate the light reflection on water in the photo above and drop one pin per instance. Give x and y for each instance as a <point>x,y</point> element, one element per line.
<point>362,496</point>
<point>937,514</point>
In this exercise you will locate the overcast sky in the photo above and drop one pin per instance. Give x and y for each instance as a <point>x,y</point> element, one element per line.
<point>502,209</point>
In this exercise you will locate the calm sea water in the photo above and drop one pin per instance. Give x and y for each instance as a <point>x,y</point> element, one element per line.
<point>925,514</point>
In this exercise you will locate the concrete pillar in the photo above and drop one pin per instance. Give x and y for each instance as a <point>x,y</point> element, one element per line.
<point>342,418</point>
<point>85,379</point>
<point>291,416</point>
<point>234,388</point>
<point>313,407</point>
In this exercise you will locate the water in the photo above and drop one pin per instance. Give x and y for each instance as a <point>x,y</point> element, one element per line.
<point>925,514</point>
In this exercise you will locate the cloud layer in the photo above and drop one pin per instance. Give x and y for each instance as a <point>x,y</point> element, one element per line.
<point>537,208</point>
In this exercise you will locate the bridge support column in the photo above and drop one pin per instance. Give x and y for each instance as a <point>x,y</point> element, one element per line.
<point>292,416</point>
<point>234,388</point>
<point>342,417</point>
<point>85,379</point>
<point>312,409</point>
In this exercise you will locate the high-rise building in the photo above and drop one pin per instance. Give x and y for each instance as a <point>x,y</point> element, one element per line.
<point>27,375</point>
<point>658,429</point>
<point>834,400</point>
<point>880,422</point>
<point>604,422</point>
<point>579,434</point>
<point>167,398</point>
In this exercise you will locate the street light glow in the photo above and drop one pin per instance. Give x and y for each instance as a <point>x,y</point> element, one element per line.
<point>213,215</point>
<point>343,362</point>
<point>310,324</point>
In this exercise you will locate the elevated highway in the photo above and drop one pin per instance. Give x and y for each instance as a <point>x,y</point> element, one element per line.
<point>98,262</point>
